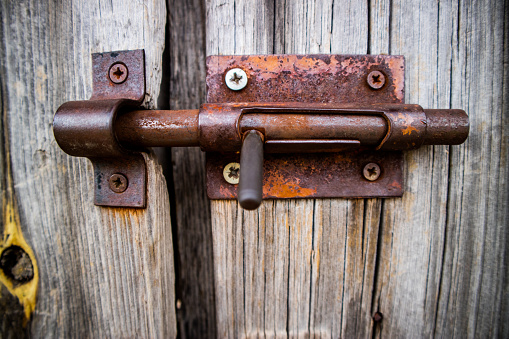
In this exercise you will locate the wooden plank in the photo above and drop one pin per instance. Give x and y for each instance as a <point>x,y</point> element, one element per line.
<point>293,267</point>
<point>431,285</point>
<point>474,289</point>
<point>195,273</point>
<point>13,311</point>
<point>102,272</point>
<point>248,300</point>
<point>410,266</point>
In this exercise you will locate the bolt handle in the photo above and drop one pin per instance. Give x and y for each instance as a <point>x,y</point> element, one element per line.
<point>251,171</point>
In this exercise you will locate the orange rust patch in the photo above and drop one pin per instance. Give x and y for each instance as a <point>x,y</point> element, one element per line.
<point>395,184</point>
<point>408,120</point>
<point>409,130</point>
<point>225,193</point>
<point>279,186</point>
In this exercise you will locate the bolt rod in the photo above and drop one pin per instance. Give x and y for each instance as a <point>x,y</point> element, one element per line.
<point>370,130</point>
<point>172,128</point>
<point>156,128</point>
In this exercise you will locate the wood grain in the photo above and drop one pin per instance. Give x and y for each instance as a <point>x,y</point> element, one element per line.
<point>409,267</point>
<point>103,272</point>
<point>434,262</point>
<point>317,277</point>
<point>195,285</point>
<point>474,289</point>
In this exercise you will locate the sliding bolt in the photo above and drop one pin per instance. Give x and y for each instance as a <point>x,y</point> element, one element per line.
<point>118,183</point>
<point>371,171</point>
<point>118,73</point>
<point>236,79</point>
<point>376,80</point>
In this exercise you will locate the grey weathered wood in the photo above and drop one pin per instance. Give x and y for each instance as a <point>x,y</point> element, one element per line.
<point>11,323</point>
<point>413,227</point>
<point>474,292</point>
<point>195,284</point>
<point>293,267</point>
<point>103,272</point>
<point>433,262</point>
<point>453,276</point>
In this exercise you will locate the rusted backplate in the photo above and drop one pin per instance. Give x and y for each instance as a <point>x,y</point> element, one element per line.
<point>323,175</point>
<point>363,79</point>
<point>308,78</point>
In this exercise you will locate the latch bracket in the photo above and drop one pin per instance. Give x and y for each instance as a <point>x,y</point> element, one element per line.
<point>86,128</point>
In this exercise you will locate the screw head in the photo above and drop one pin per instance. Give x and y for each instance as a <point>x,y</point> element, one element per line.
<point>376,79</point>
<point>236,79</point>
<point>118,183</point>
<point>118,73</point>
<point>371,171</point>
<point>231,173</point>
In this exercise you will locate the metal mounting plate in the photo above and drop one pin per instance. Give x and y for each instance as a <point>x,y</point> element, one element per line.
<point>307,78</point>
<point>132,88</point>
<point>129,164</point>
<point>310,78</point>
<point>134,170</point>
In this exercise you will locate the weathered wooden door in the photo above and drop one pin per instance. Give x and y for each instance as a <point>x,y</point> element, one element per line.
<point>432,263</point>
<point>75,269</point>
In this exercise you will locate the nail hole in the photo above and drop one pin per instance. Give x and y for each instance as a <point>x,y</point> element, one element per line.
<point>16,265</point>
<point>378,317</point>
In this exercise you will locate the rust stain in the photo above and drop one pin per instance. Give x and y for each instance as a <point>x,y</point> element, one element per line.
<point>278,185</point>
<point>226,193</point>
<point>395,184</point>
<point>298,79</point>
<point>409,130</point>
<point>312,175</point>
<point>408,120</point>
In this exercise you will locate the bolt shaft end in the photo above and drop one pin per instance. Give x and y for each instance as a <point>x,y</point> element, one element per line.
<point>446,126</point>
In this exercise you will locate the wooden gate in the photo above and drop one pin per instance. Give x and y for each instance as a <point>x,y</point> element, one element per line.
<point>433,263</point>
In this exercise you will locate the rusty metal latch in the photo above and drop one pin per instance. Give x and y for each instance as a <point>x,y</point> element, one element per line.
<point>278,126</point>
